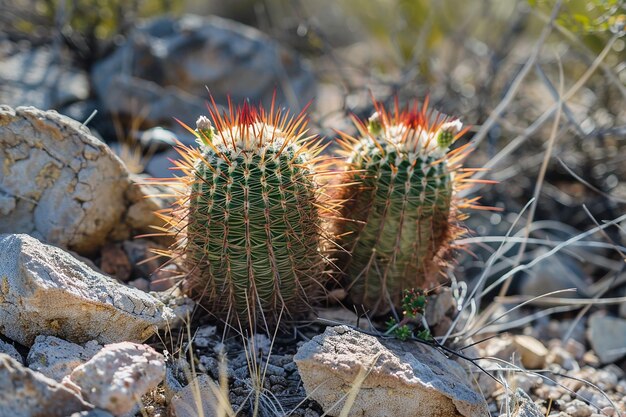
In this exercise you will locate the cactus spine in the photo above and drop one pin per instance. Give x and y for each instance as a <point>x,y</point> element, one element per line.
<point>248,220</point>
<point>404,212</point>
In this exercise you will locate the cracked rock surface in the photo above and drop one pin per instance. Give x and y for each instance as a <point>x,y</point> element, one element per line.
<point>403,379</point>
<point>46,291</point>
<point>523,405</point>
<point>57,181</point>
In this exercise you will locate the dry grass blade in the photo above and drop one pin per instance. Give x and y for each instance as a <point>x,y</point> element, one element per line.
<point>350,396</point>
<point>588,185</point>
<point>540,373</point>
<point>540,179</point>
<point>479,284</point>
<point>518,306</point>
<point>514,299</point>
<point>534,127</point>
<point>515,85</point>
<point>553,251</point>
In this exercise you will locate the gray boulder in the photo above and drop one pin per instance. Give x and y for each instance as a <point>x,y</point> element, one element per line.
<point>607,336</point>
<point>26,393</point>
<point>403,379</point>
<point>166,65</point>
<point>39,77</point>
<point>46,291</point>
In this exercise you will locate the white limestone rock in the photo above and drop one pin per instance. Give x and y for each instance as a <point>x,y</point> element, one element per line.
<point>46,291</point>
<point>57,181</point>
<point>407,379</point>
<point>56,358</point>
<point>118,376</point>
<point>26,393</point>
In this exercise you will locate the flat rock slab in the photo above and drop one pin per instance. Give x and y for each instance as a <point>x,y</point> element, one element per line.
<point>46,291</point>
<point>26,393</point>
<point>57,181</point>
<point>404,379</point>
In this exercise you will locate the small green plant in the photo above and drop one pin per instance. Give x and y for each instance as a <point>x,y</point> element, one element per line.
<point>414,302</point>
<point>403,212</point>
<point>403,332</point>
<point>249,219</point>
<point>413,306</point>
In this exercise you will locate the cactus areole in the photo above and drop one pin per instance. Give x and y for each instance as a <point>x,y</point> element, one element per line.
<point>404,213</point>
<point>248,221</point>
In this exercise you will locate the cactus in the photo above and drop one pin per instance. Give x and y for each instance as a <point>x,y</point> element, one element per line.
<point>248,222</point>
<point>404,213</point>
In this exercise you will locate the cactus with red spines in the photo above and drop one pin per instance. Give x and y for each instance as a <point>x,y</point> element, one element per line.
<point>249,220</point>
<point>403,214</point>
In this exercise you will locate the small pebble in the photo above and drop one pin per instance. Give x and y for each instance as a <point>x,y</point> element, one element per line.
<point>579,409</point>
<point>590,358</point>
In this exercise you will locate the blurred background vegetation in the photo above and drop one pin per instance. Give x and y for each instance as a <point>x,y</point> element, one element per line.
<point>495,63</point>
<point>404,28</point>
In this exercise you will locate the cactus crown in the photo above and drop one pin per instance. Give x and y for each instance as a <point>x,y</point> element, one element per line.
<point>404,214</point>
<point>407,132</point>
<point>248,220</point>
<point>248,129</point>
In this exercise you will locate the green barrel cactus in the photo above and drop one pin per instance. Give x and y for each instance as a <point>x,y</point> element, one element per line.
<point>403,213</point>
<point>249,223</point>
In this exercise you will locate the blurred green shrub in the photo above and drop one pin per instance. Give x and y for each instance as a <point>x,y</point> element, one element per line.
<point>406,25</point>
<point>101,19</point>
<point>413,29</point>
<point>586,16</point>
<point>89,27</point>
